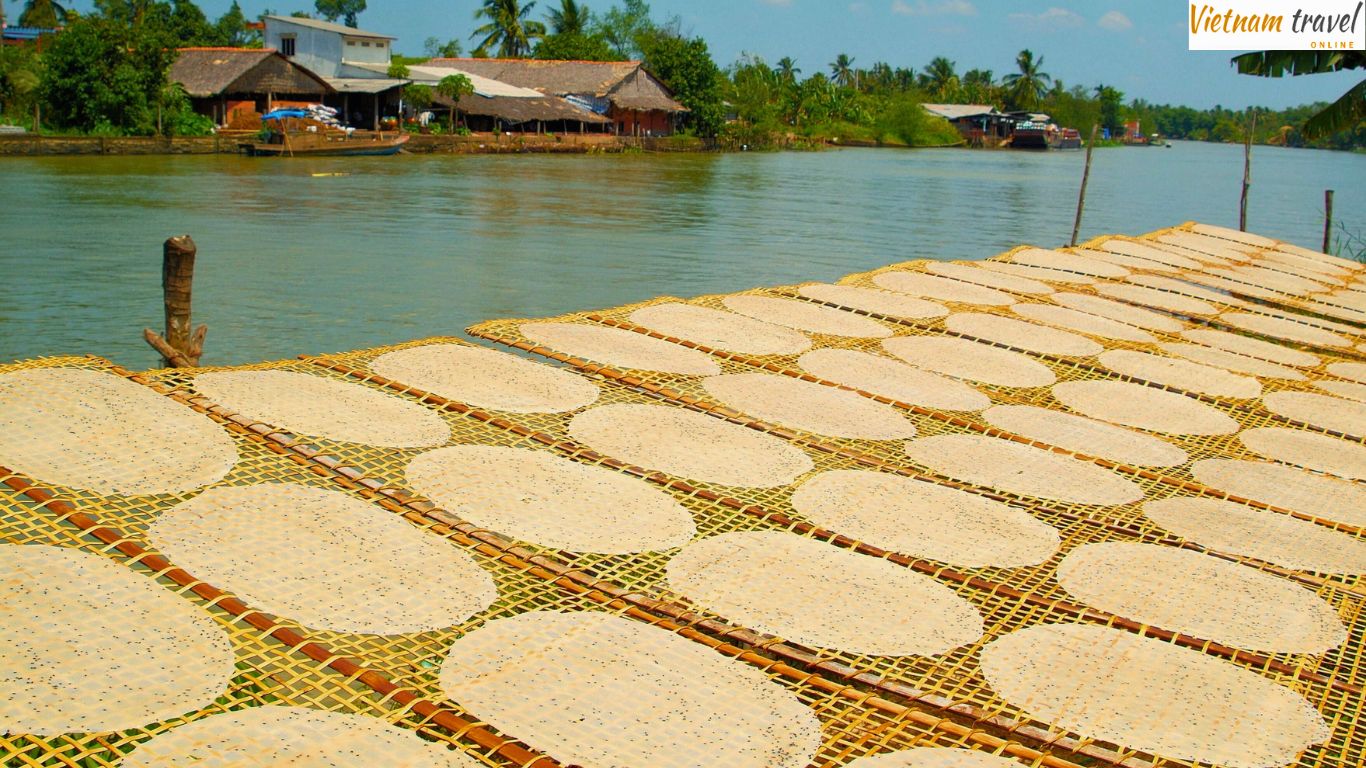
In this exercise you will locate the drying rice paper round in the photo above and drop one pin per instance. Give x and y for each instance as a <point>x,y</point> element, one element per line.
<point>1184,287</point>
<point>874,300</point>
<point>610,691</point>
<point>1067,262</point>
<point>1086,436</point>
<point>1284,258</point>
<point>808,406</point>
<point>1242,345</point>
<point>1148,253</point>
<point>971,360</point>
<point>923,519</point>
<point>892,379</point>
<point>324,559</point>
<point>1354,371</point>
<point>941,288</point>
<point>1036,273</point>
<point>1239,529</point>
<point>1150,695</point>
<point>1348,389</point>
<point>620,347</point>
<point>1323,411</point>
<point>806,316</point>
<point>1314,272</point>
<point>971,273</point>
<point>321,407</point>
<point>689,444</point>
<point>1289,330</point>
<point>1150,297</point>
<point>269,736</point>
<point>1144,407</point>
<point>933,757</point>
<point>103,433</point>
<point>1309,450</point>
<point>1202,596</point>
<point>1286,487</point>
<point>90,645</point>
<point>1019,334</point>
<point>721,330</point>
<point>1082,322</point>
<point>487,378</point>
<point>997,463</point>
<point>1119,312</point>
<point>1237,236</point>
<point>831,597</point>
<point>1232,361</point>
<point>1130,263</point>
<point>548,500</point>
<point>1277,281</point>
<point>1207,246</point>
<point>1180,374</point>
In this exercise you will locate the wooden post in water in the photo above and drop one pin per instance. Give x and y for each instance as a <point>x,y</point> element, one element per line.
<point>1327,219</point>
<point>179,348</point>
<point>1247,175</point>
<point>1085,175</point>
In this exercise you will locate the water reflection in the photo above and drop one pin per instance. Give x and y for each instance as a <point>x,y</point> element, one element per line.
<point>296,258</point>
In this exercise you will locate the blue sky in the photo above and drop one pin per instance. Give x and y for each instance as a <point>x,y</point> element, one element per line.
<point>1138,47</point>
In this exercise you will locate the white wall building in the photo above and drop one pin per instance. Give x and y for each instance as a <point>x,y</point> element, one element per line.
<point>326,48</point>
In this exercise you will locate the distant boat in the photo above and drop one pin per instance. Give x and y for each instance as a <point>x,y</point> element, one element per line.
<point>1066,138</point>
<point>311,145</point>
<point>317,134</point>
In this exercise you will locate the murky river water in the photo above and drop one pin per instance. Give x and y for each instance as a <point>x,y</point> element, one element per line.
<point>399,248</point>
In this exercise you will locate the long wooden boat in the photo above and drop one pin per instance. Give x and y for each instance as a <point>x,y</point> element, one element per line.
<point>322,146</point>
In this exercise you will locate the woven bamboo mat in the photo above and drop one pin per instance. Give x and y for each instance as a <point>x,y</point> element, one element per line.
<point>1029,600</point>
<point>530,581</point>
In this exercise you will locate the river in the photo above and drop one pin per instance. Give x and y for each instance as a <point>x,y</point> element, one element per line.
<point>294,258</point>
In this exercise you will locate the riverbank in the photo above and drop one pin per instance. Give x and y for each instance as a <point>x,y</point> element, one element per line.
<point>473,144</point>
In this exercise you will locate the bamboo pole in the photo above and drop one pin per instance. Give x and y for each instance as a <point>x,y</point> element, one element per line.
<point>1085,176</point>
<point>179,348</point>
<point>1247,175</point>
<point>1327,219</point>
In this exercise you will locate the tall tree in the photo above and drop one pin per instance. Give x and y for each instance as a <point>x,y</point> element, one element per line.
<point>569,19</point>
<point>455,87</point>
<point>686,68</point>
<point>842,70</point>
<point>233,30</point>
<point>625,28</point>
<point>1111,105</point>
<point>508,27</point>
<point>42,13</point>
<point>346,10</point>
<point>1026,88</point>
<point>940,79</point>
<point>1347,111</point>
<point>787,70</point>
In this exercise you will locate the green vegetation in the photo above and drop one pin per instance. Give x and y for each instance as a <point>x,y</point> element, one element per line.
<point>454,87</point>
<point>346,10</point>
<point>508,27</point>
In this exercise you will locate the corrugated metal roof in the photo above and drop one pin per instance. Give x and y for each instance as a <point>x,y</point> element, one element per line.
<point>328,26</point>
<point>957,111</point>
<point>363,84</point>
<point>483,86</point>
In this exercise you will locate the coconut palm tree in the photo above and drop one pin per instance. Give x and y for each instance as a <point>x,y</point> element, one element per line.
<point>1026,89</point>
<point>569,19</point>
<point>1347,111</point>
<point>508,27</point>
<point>842,70</point>
<point>42,13</point>
<point>940,79</point>
<point>787,70</point>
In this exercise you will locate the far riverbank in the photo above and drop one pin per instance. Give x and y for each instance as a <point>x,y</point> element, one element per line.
<point>474,144</point>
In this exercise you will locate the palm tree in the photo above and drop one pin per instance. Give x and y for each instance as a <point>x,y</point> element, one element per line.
<point>42,13</point>
<point>570,19</point>
<point>842,69</point>
<point>1025,90</point>
<point>1347,111</point>
<point>787,70</point>
<point>508,27</point>
<point>940,78</point>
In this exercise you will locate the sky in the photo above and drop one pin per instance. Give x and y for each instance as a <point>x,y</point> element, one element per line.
<point>1138,47</point>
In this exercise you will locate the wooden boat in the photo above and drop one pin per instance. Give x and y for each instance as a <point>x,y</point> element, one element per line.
<point>312,145</point>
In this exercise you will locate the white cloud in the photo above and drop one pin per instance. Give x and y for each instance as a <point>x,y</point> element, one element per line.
<point>941,8</point>
<point>1053,18</point>
<point>1115,22</point>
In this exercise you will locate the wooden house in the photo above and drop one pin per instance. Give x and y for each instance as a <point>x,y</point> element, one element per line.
<point>632,99</point>
<point>230,83</point>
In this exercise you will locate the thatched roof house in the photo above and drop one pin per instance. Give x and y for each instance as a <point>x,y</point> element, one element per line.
<point>635,100</point>
<point>225,81</point>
